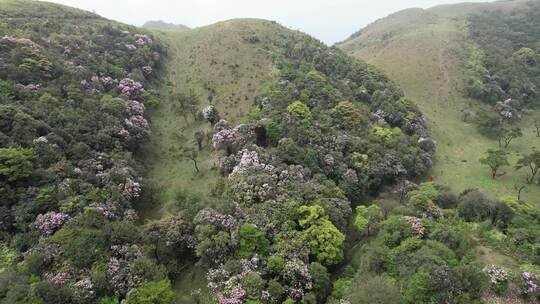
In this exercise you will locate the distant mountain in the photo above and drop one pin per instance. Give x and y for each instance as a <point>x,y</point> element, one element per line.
<point>162,25</point>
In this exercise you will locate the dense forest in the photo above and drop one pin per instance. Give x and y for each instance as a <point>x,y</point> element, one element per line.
<point>73,91</point>
<point>327,132</point>
<point>322,194</point>
<point>504,63</point>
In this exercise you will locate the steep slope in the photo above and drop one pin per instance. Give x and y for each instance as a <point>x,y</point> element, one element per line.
<point>73,92</point>
<point>427,52</point>
<point>223,64</point>
<point>293,130</point>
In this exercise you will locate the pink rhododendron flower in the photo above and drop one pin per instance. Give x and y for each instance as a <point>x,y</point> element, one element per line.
<point>49,222</point>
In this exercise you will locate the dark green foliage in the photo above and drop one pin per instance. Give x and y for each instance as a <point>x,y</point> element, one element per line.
<point>488,123</point>
<point>72,240</point>
<point>321,281</point>
<point>68,131</point>
<point>276,264</point>
<point>52,293</point>
<point>212,245</point>
<point>16,163</point>
<point>252,240</point>
<point>254,284</point>
<point>474,206</point>
<point>275,289</point>
<point>505,62</point>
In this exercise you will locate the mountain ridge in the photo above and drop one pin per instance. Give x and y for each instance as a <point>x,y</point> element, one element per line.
<point>162,25</point>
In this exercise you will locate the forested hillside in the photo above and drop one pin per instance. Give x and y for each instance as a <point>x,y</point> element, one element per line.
<point>505,62</point>
<point>321,133</point>
<point>244,162</point>
<point>73,92</point>
<point>473,70</point>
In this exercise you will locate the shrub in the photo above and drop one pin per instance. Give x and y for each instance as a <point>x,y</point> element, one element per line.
<point>301,112</point>
<point>474,206</point>
<point>253,284</point>
<point>157,292</point>
<point>252,241</point>
<point>276,264</point>
<point>16,163</point>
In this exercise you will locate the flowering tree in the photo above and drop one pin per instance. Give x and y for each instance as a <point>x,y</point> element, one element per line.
<point>130,189</point>
<point>229,140</point>
<point>50,222</point>
<point>498,277</point>
<point>135,107</point>
<point>130,88</point>
<point>226,287</point>
<point>210,113</point>
<point>137,128</point>
<point>296,274</point>
<point>529,283</point>
<point>417,227</point>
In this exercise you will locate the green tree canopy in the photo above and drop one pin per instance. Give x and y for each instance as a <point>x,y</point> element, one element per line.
<point>252,240</point>
<point>301,112</point>
<point>16,163</point>
<point>532,162</point>
<point>348,115</point>
<point>324,239</point>
<point>505,136</point>
<point>156,292</point>
<point>495,159</point>
<point>366,217</point>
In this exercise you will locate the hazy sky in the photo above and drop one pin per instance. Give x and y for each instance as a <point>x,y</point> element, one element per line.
<point>328,20</point>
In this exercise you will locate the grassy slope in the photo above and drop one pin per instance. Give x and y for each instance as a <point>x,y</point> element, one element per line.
<point>425,51</point>
<point>217,57</point>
